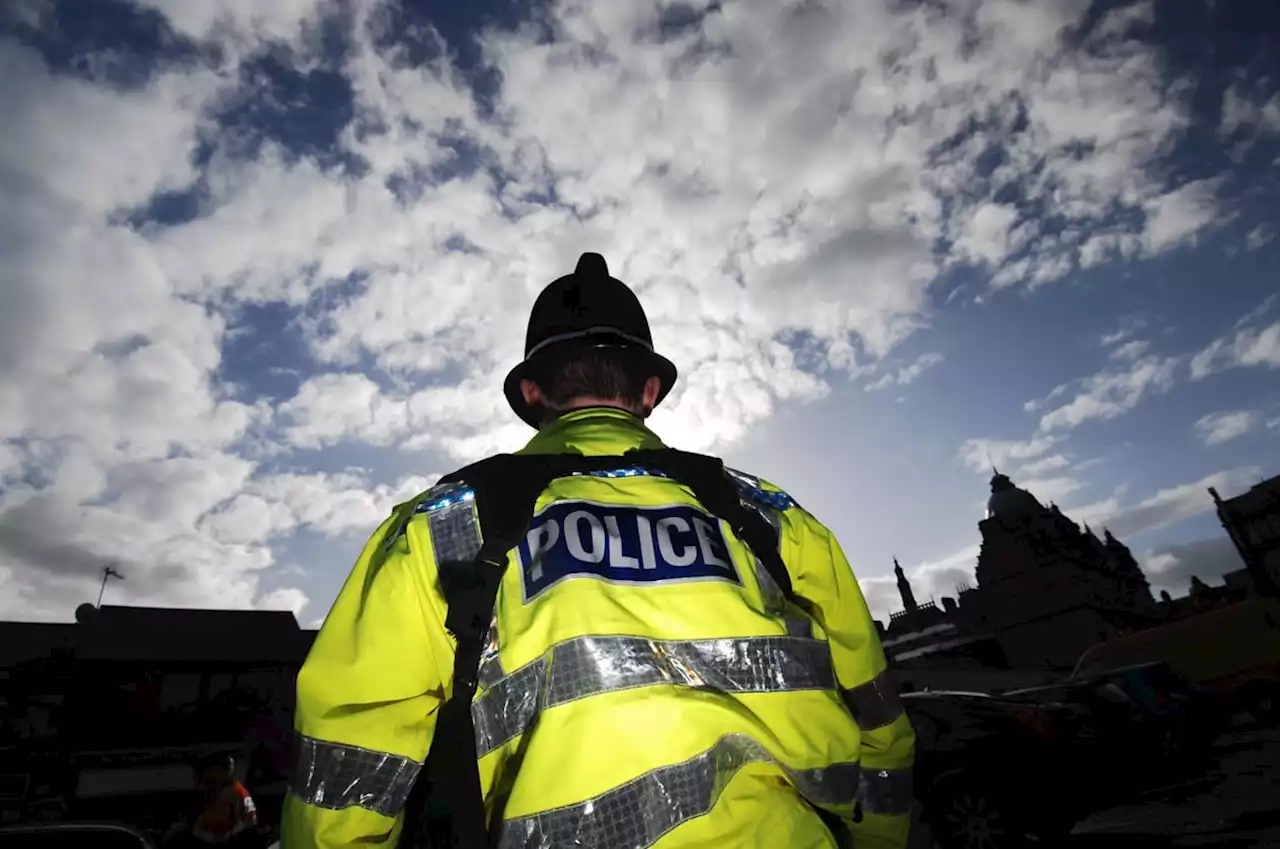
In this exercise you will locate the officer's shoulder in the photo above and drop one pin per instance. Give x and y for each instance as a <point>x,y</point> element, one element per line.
<point>440,498</point>
<point>761,491</point>
<point>434,502</point>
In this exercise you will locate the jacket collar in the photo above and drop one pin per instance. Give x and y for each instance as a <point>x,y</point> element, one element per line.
<point>593,431</point>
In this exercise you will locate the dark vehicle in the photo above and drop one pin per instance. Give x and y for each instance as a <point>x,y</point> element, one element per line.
<point>1150,724</point>
<point>1232,652</point>
<point>74,835</point>
<point>995,772</point>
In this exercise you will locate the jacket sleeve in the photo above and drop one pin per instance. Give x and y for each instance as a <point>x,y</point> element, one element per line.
<point>367,695</point>
<point>885,792</point>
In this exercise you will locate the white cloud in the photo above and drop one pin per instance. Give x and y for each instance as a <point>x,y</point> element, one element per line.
<point>30,13</point>
<point>1038,403</point>
<point>1104,247</point>
<point>986,237</point>
<point>1127,329</point>
<point>822,210</point>
<point>337,504</point>
<point>1131,350</point>
<point>107,376</point>
<point>774,170</point>
<point>1176,217</point>
<point>141,137</point>
<point>905,375</point>
<point>1259,236</point>
<point>55,547</point>
<point>286,598</point>
<point>1110,393</point>
<point>1255,115</point>
<point>239,26</point>
<point>1052,463</point>
<point>1257,312</point>
<point>1053,489</point>
<point>330,504</point>
<point>332,407</point>
<point>1170,568</point>
<point>11,461</point>
<point>1166,507</point>
<point>1216,428</point>
<point>981,454</point>
<point>1250,346</point>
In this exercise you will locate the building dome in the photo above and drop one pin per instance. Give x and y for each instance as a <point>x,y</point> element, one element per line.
<point>1009,503</point>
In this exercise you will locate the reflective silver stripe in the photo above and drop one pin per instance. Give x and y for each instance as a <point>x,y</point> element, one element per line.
<point>587,666</point>
<point>775,604</point>
<point>336,776</point>
<point>636,814</point>
<point>874,704</point>
<point>451,518</point>
<point>490,663</point>
<point>455,540</point>
<point>508,707</point>
<point>887,792</point>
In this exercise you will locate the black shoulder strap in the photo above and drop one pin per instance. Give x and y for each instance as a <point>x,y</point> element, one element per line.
<point>447,803</point>
<point>711,485</point>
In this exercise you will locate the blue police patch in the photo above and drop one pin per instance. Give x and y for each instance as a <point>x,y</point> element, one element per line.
<point>623,544</point>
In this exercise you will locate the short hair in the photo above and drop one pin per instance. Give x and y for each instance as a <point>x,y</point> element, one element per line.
<point>594,372</point>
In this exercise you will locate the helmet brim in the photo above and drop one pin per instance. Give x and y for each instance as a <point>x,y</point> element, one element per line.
<point>657,365</point>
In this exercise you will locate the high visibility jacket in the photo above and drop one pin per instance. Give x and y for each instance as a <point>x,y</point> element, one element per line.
<point>645,683</point>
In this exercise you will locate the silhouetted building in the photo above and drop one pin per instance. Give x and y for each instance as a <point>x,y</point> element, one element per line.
<point>1252,521</point>
<point>1236,587</point>
<point>128,700</point>
<point>1047,590</point>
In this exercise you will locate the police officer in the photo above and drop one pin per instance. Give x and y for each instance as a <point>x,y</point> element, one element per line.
<point>645,682</point>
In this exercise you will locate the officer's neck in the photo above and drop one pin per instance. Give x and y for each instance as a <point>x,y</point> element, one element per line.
<point>591,402</point>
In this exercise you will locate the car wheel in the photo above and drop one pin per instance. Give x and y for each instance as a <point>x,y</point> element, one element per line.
<point>966,813</point>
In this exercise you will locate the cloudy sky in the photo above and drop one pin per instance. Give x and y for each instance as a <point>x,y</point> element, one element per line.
<point>263,266</point>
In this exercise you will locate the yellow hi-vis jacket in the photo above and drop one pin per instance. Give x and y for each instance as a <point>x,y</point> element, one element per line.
<point>645,683</point>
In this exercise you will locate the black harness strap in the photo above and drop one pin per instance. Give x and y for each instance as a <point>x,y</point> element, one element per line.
<point>447,803</point>
<point>712,487</point>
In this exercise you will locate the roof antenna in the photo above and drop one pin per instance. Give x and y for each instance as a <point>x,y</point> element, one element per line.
<point>107,572</point>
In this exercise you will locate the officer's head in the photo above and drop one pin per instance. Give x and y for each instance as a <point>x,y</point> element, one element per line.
<point>588,344</point>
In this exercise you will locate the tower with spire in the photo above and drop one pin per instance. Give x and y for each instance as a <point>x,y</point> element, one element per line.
<point>1050,587</point>
<point>904,588</point>
<point>1047,589</point>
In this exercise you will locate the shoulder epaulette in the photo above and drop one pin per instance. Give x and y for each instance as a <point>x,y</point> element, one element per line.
<point>752,488</point>
<point>435,501</point>
<point>443,495</point>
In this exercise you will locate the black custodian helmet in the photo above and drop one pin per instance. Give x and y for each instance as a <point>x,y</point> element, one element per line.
<point>586,308</point>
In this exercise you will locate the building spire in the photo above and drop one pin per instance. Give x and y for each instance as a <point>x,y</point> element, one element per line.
<point>904,588</point>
